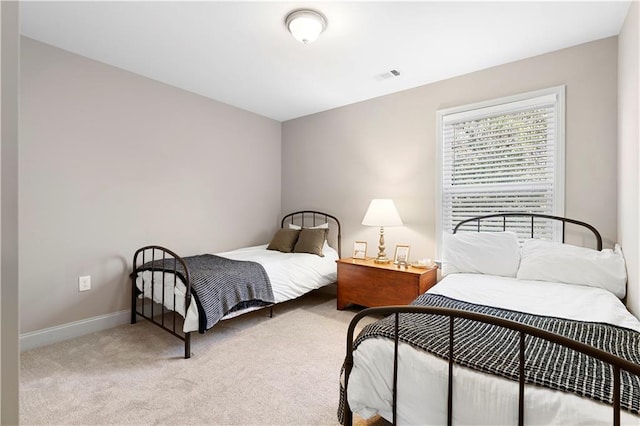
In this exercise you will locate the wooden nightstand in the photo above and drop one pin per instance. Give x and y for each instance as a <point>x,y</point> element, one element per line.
<point>365,283</point>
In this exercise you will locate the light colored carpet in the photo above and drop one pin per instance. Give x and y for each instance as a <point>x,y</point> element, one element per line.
<point>249,370</point>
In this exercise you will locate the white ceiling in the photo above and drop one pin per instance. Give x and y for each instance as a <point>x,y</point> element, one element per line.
<point>240,53</point>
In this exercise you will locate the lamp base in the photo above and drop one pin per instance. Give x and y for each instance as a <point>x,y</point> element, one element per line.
<point>382,256</point>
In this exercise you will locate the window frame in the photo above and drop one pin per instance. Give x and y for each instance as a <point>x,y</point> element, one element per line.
<point>495,107</point>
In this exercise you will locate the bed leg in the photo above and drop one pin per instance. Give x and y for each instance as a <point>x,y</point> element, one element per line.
<point>348,416</point>
<point>271,311</point>
<point>134,316</point>
<point>187,345</point>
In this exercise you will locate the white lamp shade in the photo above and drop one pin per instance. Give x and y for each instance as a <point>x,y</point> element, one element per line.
<point>305,25</point>
<point>382,212</point>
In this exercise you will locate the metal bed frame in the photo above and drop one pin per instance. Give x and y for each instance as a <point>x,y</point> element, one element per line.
<point>533,216</point>
<point>143,307</point>
<point>617,363</point>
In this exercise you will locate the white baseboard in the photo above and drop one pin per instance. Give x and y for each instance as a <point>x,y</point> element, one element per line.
<point>47,336</point>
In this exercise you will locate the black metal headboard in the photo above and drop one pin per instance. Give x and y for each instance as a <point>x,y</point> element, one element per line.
<point>504,217</point>
<point>315,218</point>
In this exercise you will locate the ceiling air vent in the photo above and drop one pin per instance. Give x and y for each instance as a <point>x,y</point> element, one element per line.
<point>386,75</point>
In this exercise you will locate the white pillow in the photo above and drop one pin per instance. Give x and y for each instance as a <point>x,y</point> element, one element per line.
<point>492,253</point>
<point>565,263</point>
<point>321,226</point>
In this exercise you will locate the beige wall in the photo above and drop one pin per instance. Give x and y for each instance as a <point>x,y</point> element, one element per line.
<point>628,162</point>
<point>111,161</point>
<point>93,136</point>
<point>9,353</point>
<point>385,147</point>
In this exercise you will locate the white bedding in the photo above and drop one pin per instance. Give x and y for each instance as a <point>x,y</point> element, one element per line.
<point>479,398</point>
<point>291,276</point>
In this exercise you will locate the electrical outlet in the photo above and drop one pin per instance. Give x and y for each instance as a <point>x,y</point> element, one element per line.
<point>84,283</point>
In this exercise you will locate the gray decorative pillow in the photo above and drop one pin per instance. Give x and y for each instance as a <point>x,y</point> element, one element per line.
<point>284,240</point>
<point>324,226</point>
<point>310,241</point>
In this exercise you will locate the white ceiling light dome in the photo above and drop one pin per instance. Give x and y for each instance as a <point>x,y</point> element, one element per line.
<point>305,25</point>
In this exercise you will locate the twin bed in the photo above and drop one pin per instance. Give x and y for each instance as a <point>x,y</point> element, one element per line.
<point>205,289</point>
<point>482,346</point>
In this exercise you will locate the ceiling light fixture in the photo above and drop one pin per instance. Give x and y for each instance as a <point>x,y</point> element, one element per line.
<point>305,25</point>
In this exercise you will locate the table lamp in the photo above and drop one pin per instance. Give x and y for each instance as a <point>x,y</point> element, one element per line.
<point>382,212</point>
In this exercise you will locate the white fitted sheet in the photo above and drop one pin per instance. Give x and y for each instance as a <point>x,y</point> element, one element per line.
<point>479,398</point>
<point>291,276</point>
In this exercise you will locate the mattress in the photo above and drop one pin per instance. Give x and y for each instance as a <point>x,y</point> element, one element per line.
<point>291,276</point>
<point>480,398</point>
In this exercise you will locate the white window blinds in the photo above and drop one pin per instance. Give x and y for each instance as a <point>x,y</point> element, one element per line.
<point>503,156</point>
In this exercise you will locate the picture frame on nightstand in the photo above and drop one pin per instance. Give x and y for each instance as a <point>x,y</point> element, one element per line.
<point>402,253</point>
<point>360,250</point>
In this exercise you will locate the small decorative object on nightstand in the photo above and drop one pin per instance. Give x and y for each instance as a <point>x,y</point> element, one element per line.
<point>360,250</point>
<point>382,212</point>
<point>367,283</point>
<point>402,254</point>
<point>423,264</point>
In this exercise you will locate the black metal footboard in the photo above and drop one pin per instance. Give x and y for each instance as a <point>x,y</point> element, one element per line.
<point>617,363</point>
<point>157,315</point>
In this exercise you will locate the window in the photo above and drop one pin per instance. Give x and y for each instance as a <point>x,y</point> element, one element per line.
<point>505,155</point>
